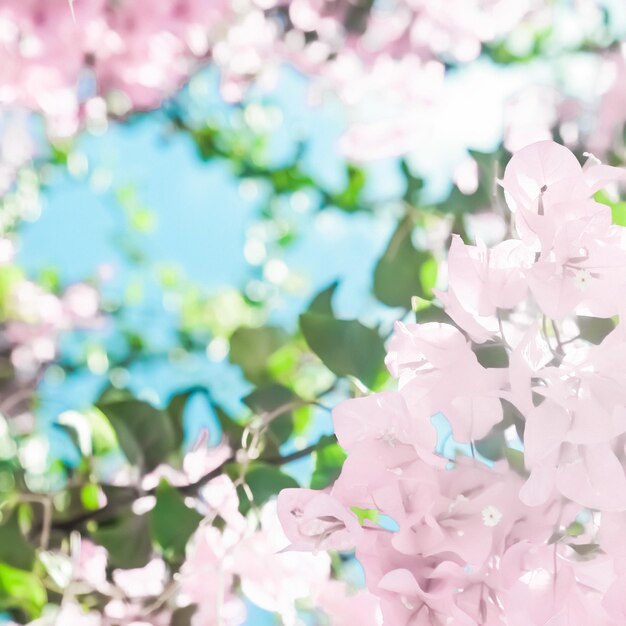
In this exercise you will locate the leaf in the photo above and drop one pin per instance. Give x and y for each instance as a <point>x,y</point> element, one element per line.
<point>492,356</point>
<point>231,429</point>
<point>103,437</point>
<point>172,522</point>
<point>322,302</point>
<point>15,550</point>
<point>21,590</point>
<point>365,514</point>
<point>175,411</point>
<point>618,208</point>
<point>346,347</point>
<point>594,329</point>
<point>585,549</point>
<point>269,399</point>
<point>250,349</point>
<point>264,482</point>
<point>403,271</point>
<point>127,539</point>
<point>492,446</point>
<point>183,616</point>
<point>328,463</point>
<point>349,198</point>
<point>515,459</point>
<point>575,529</point>
<point>428,311</point>
<point>144,432</point>
<point>90,496</point>
<point>512,416</point>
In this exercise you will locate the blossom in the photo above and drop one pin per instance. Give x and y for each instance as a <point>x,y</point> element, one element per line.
<point>316,521</point>
<point>536,539</point>
<point>430,360</point>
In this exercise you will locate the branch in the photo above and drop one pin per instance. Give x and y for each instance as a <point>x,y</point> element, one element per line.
<point>114,507</point>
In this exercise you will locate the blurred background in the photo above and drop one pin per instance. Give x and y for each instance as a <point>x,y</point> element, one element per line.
<point>211,214</point>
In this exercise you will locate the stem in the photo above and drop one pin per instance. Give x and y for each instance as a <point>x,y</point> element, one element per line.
<point>111,509</point>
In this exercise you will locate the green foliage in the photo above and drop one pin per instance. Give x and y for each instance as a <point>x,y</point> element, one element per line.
<point>329,457</point>
<point>145,433</point>
<point>183,616</point>
<point>275,400</point>
<point>403,271</point>
<point>322,303</point>
<point>346,347</point>
<point>127,539</point>
<point>492,446</point>
<point>618,207</point>
<point>172,522</point>
<point>349,199</point>
<point>175,411</point>
<point>21,590</point>
<point>15,549</point>
<point>595,329</point>
<point>263,481</point>
<point>250,348</point>
<point>492,355</point>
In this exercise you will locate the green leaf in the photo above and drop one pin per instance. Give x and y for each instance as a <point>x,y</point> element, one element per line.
<point>145,433</point>
<point>231,429</point>
<point>127,539</point>
<point>492,446</point>
<point>512,417</point>
<point>21,590</point>
<point>618,208</point>
<point>365,514</point>
<point>103,437</point>
<point>322,302</point>
<point>250,348</point>
<point>585,549</point>
<point>575,529</point>
<point>175,411</point>
<point>264,482</point>
<point>492,356</point>
<point>403,271</point>
<point>183,616</point>
<point>349,198</point>
<point>515,459</point>
<point>15,550</point>
<point>594,329</point>
<point>172,522</point>
<point>269,399</point>
<point>346,347</point>
<point>90,496</point>
<point>328,463</point>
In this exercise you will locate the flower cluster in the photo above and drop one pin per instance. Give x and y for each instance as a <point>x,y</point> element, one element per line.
<point>79,61</point>
<point>522,525</point>
<point>246,557</point>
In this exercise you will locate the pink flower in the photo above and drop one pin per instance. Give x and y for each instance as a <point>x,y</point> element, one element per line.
<point>432,359</point>
<point>385,418</point>
<point>316,521</point>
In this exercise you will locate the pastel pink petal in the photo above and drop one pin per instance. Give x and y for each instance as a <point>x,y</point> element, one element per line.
<point>595,479</point>
<point>554,291</point>
<point>545,430</point>
<point>614,601</point>
<point>472,417</point>
<point>540,164</point>
<point>599,176</point>
<point>540,484</point>
<point>400,581</point>
<point>479,328</point>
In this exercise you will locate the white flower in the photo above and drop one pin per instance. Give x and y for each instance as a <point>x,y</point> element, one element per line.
<point>582,279</point>
<point>491,516</point>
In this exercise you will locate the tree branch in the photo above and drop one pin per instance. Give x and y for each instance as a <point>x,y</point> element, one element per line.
<point>115,507</point>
